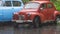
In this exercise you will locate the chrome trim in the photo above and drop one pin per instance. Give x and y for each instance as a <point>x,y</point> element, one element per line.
<point>21,21</point>
<point>21,17</point>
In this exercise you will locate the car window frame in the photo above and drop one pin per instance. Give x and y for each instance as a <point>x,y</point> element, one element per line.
<point>16,6</point>
<point>7,6</point>
<point>42,7</point>
<point>49,5</point>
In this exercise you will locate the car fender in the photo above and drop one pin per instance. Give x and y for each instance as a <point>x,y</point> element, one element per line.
<point>56,13</point>
<point>42,17</point>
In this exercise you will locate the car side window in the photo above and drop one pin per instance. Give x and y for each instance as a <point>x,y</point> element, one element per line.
<point>49,6</point>
<point>43,6</point>
<point>16,3</point>
<point>7,3</point>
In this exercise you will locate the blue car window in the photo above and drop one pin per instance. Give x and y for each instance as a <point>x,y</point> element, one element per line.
<point>16,3</point>
<point>7,3</point>
<point>1,3</point>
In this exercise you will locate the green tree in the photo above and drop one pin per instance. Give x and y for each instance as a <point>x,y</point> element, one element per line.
<point>25,1</point>
<point>56,3</point>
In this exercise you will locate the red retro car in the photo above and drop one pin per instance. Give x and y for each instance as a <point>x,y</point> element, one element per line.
<point>36,13</point>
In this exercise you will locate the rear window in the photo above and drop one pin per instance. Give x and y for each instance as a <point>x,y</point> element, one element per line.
<point>16,3</point>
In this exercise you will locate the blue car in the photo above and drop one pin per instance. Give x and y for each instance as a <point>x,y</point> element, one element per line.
<point>8,7</point>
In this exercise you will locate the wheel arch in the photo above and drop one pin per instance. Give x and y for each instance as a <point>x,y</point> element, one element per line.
<point>37,16</point>
<point>56,13</point>
<point>41,16</point>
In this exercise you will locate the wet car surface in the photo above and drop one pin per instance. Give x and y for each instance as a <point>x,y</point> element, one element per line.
<point>10,29</point>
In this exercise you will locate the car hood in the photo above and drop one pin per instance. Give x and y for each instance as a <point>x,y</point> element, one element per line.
<point>29,11</point>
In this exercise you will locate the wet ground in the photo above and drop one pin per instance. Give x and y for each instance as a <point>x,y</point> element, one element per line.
<point>10,29</point>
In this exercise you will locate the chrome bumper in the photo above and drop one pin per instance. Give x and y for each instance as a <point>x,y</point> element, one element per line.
<point>21,21</point>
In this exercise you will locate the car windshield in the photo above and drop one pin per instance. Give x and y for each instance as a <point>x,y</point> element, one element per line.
<point>31,5</point>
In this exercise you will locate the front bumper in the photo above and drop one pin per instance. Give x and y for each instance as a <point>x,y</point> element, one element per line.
<point>21,21</point>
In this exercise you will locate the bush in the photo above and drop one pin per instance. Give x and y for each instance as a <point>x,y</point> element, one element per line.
<point>57,4</point>
<point>25,1</point>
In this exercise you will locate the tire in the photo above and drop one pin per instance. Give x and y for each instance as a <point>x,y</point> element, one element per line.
<point>16,25</point>
<point>54,22</point>
<point>57,20</point>
<point>36,22</point>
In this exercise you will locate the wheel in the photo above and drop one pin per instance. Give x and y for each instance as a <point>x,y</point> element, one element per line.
<point>55,23</point>
<point>57,20</point>
<point>36,22</point>
<point>16,25</point>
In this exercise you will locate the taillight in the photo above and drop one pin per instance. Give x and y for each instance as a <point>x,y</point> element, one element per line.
<point>15,17</point>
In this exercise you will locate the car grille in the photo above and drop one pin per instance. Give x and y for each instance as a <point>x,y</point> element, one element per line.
<point>21,17</point>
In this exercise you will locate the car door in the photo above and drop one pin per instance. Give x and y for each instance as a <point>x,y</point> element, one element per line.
<point>1,14</point>
<point>51,10</point>
<point>7,10</point>
<point>44,11</point>
<point>17,5</point>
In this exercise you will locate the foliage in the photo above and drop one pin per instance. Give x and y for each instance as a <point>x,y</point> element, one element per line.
<point>57,4</point>
<point>25,1</point>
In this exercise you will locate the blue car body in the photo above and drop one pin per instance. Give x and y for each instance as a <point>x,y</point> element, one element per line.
<point>8,7</point>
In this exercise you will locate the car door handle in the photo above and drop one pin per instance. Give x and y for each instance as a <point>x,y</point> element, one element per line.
<point>12,8</point>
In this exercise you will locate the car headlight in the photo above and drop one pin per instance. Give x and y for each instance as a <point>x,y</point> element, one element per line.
<point>28,15</point>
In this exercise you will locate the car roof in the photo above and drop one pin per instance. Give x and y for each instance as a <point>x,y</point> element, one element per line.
<point>11,0</point>
<point>41,1</point>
